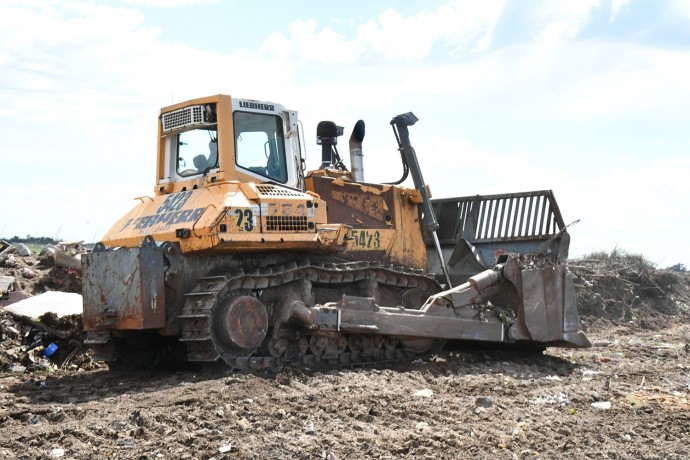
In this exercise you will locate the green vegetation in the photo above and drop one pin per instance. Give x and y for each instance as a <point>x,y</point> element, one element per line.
<point>33,240</point>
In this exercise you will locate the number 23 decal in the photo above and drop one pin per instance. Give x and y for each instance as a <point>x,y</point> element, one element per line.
<point>244,219</point>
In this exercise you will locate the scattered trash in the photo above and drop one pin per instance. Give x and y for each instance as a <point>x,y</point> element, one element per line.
<point>590,372</point>
<point>424,393</point>
<point>663,345</point>
<point>602,405</point>
<point>560,398</point>
<point>225,449</point>
<point>68,254</point>
<point>244,424</point>
<point>421,426</point>
<point>309,428</point>
<point>50,350</point>
<point>484,401</point>
<point>45,344</point>
<point>633,400</point>
<point>57,453</point>
<point>63,259</point>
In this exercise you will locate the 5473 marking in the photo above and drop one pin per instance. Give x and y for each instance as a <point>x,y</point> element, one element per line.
<point>365,239</point>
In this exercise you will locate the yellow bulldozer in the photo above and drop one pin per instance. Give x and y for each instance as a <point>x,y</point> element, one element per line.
<point>243,256</point>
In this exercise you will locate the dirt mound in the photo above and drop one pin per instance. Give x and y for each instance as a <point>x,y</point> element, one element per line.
<point>36,274</point>
<point>23,343</point>
<point>619,288</point>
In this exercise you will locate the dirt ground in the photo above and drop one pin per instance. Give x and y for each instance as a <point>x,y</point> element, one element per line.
<point>626,397</point>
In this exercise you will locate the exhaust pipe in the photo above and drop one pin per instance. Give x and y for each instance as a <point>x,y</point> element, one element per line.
<point>356,157</point>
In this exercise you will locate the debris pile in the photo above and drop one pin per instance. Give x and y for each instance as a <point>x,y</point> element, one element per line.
<point>623,288</point>
<point>38,339</point>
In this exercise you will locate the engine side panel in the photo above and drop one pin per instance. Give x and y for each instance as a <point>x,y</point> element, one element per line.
<point>231,217</point>
<point>384,220</point>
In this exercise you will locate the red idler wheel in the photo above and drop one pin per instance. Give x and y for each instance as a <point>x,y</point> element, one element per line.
<point>240,322</point>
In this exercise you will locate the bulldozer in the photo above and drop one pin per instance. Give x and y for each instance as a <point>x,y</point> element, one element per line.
<point>243,256</point>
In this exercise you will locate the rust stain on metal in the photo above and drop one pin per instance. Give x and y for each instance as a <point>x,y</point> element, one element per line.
<point>245,322</point>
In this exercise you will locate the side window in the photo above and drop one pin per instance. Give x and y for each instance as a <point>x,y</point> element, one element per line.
<point>197,151</point>
<point>259,145</point>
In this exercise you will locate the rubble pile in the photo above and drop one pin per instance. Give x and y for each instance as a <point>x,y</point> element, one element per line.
<point>46,343</point>
<point>623,288</point>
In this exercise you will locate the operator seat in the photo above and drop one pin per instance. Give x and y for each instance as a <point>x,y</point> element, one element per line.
<point>200,163</point>
<point>213,156</point>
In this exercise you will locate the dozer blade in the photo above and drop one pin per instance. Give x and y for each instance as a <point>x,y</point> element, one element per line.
<point>507,303</point>
<point>550,309</point>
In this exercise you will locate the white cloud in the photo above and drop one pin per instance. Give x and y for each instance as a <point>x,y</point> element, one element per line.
<point>616,7</point>
<point>325,46</point>
<point>456,25</point>
<point>169,3</point>
<point>679,8</point>
<point>635,208</point>
<point>561,20</point>
<point>629,80</point>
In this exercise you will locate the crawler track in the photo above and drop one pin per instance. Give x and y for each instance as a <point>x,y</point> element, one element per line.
<point>351,351</point>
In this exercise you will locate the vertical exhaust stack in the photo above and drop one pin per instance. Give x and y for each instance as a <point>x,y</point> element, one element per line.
<point>356,156</point>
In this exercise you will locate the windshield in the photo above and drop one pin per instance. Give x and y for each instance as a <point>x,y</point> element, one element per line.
<point>197,151</point>
<point>259,145</point>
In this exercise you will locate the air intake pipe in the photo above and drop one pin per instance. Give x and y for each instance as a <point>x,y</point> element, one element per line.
<point>327,134</point>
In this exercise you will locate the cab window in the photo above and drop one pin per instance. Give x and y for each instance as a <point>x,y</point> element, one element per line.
<point>197,151</point>
<point>259,145</point>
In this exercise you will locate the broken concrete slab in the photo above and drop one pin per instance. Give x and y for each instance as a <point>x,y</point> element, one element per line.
<point>64,259</point>
<point>5,283</point>
<point>12,297</point>
<point>74,246</point>
<point>23,250</point>
<point>6,250</point>
<point>59,303</point>
<point>48,249</point>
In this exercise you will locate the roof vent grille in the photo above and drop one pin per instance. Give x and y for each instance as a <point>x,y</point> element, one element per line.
<point>189,116</point>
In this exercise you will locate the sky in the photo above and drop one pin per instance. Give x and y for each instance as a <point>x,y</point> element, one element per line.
<point>589,98</point>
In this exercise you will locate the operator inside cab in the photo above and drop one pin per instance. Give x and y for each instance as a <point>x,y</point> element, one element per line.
<point>259,145</point>
<point>198,147</point>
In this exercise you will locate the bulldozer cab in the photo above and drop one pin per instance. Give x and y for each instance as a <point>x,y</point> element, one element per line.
<point>219,138</point>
